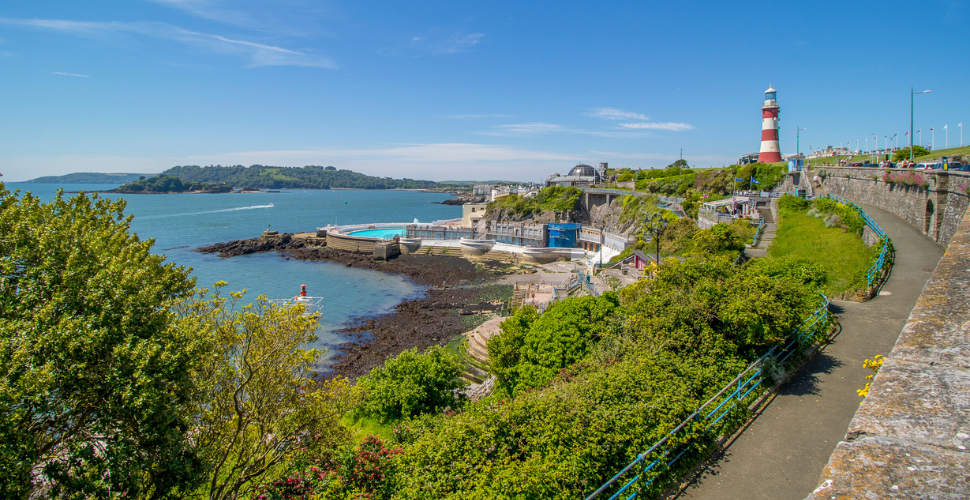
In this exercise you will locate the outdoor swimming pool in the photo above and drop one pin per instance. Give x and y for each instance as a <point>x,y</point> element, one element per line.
<point>386,232</point>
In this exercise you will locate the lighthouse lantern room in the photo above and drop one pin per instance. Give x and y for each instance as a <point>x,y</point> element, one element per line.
<point>770,150</point>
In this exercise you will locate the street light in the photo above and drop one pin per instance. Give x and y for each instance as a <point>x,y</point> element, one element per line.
<point>658,224</point>
<point>797,130</point>
<point>911,94</point>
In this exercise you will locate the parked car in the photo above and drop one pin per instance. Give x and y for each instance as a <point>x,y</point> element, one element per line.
<point>871,165</point>
<point>856,164</point>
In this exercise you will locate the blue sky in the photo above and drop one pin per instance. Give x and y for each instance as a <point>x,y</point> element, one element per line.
<point>462,90</point>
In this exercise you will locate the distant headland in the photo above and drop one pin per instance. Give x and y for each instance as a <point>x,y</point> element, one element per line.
<point>89,178</point>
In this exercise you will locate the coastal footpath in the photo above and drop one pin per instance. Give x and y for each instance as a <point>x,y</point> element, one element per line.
<point>909,438</point>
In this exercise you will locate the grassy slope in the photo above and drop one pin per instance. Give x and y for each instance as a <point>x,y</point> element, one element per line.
<point>843,256</point>
<point>945,152</point>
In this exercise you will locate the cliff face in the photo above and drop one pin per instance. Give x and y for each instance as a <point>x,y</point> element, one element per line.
<point>607,216</point>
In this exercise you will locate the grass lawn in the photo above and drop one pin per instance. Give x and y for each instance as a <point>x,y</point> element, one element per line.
<point>361,427</point>
<point>945,152</point>
<point>843,256</point>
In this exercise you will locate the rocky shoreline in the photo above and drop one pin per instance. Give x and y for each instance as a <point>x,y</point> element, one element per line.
<point>454,285</point>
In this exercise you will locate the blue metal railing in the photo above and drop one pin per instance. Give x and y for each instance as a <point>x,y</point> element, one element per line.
<point>586,281</point>
<point>757,233</point>
<point>650,465</point>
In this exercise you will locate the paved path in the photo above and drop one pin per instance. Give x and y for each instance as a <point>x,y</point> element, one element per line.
<point>781,454</point>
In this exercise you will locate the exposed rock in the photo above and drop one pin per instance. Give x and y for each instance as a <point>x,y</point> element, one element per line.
<point>463,199</point>
<point>280,242</point>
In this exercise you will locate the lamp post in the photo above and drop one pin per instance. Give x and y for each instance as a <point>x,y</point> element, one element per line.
<point>797,130</point>
<point>658,224</point>
<point>911,94</point>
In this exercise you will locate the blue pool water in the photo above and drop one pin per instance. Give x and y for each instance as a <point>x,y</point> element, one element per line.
<point>387,233</point>
<point>180,223</point>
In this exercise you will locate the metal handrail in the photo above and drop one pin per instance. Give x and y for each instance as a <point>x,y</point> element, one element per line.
<point>741,388</point>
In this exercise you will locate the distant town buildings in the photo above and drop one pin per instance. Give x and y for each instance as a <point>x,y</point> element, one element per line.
<point>831,151</point>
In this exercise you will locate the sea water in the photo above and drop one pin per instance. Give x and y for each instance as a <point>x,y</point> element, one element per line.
<point>180,223</point>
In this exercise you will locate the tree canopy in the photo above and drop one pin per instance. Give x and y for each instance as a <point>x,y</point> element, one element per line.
<point>309,177</point>
<point>96,377</point>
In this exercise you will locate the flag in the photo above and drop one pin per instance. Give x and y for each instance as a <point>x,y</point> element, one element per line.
<point>960,124</point>
<point>739,179</point>
<point>907,133</point>
<point>944,127</point>
<point>753,181</point>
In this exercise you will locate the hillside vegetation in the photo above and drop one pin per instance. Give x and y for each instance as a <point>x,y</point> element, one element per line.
<point>309,177</point>
<point>88,178</point>
<point>828,234</point>
<point>169,184</point>
<point>554,198</point>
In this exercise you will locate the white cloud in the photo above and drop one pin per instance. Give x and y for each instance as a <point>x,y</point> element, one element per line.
<point>257,53</point>
<point>533,128</point>
<point>460,42</point>
<point>666,158</point>
<point>672,126</point>
<point>468,116</point>
<point>615,114</point>
<point>436,43</point>
<point>541,128</point>
<point>208,9</point>
<point>69,74</point>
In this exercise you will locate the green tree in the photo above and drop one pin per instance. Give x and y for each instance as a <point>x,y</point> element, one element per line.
<point>412,384</point>
<point>903,154</point>
<point>96,377</point>
<point>537,347</point>
<point>504,349</point>
<point>723,238</point>
<point>258,410</point>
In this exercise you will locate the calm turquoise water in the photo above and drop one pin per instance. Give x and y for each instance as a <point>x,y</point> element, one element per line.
<point>180,223</point>
<point>386,233</point>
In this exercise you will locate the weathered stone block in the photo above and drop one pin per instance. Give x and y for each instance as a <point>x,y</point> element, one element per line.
<point>872,468</point>
<point>917,403</point>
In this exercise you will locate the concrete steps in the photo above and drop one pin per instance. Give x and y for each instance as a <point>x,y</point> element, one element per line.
<point>474,350</point>
<point>768,234</point>
<point>518,296</point>
<point>765,214</point>
<point>497,255</point>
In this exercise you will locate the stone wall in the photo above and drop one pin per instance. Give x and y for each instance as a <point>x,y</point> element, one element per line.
<point>936,209</point>
<point>910,436</point>
<point>351,243</point>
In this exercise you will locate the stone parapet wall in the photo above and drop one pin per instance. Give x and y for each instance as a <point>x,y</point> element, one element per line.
<point>936,209</point>
<point>910,437</point>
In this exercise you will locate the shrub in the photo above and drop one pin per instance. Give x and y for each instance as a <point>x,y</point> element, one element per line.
<point>412,384</point>
<point>833,221</point>
<point>539,346</point>
<point>722,238</point>
<point>848,216</point>
<point>794,204</point>
<point>906,179</point>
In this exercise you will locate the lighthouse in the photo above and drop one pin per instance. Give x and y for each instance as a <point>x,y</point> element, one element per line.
<point>770,151</point>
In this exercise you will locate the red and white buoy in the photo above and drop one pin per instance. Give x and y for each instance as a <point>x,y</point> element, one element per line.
<point>770,150</point>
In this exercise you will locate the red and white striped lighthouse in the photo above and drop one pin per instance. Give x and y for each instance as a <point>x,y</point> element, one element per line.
<point>770,151</point>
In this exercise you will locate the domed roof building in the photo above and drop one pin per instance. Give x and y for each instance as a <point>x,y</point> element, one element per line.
<point>581,174</point>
